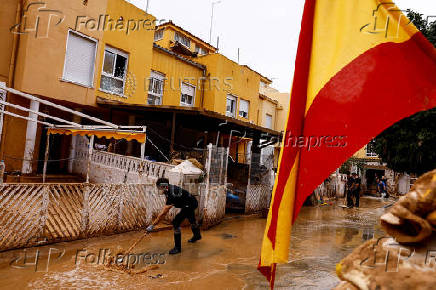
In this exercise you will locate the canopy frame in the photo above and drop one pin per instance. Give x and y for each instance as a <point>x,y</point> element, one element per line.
<point>104,126</point>
<point>92,141</point>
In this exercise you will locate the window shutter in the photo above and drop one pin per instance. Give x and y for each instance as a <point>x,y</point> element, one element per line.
<point>157,75</point>
<point>79,60</point>
<point>243,106</point>
<point>268,121</point>
<point>188,90</point>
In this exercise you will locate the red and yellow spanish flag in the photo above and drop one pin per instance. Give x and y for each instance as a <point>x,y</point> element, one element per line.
<point>361,66</point>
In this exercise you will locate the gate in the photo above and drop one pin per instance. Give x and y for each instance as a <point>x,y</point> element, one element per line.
<point>213,197</point>
<point>261,181</point>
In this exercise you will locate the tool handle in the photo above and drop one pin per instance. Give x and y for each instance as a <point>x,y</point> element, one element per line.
<point>137,242</point>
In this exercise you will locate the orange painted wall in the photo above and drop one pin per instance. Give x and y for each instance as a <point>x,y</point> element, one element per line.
<point>138,44</point>
<point>41,60</point>
<point>39,66</point>
<point>168,39</point>
<point>8,13</point>
<point>227,77</point>
<point>177,71</point>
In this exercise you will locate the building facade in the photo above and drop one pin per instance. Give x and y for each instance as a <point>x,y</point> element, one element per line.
<point>112,60</point>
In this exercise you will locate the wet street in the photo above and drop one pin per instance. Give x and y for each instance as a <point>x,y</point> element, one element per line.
<point>226,257</point>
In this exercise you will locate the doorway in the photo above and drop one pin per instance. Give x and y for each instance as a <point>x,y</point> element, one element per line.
<point>371,176</point>
<point>58,153</point>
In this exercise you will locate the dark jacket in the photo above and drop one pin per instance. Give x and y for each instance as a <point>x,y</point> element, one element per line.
<point>180,198</point>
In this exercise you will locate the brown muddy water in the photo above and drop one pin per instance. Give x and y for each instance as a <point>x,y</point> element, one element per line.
<point>226,257</point>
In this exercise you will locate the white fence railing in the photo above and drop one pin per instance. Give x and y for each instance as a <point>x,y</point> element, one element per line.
<point>108,167</point>
<point>131,164</point>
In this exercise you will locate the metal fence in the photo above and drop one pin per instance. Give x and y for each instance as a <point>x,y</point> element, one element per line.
<point>31,213</point>
<point>260,183</point>
<point>213,198</point>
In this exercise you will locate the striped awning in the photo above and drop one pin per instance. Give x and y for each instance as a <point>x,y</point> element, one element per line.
<point>129,136</point>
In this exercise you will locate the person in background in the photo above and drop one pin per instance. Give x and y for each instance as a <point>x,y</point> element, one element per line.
<point>355,189</point>
<point>349,185</point>
<point>179,198</point>
<point>377,183</point>
<point>381,188</point>
<point>385,181</point>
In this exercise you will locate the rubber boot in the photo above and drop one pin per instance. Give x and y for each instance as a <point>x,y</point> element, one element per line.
<point>177,244</point>
<point>196,236</point>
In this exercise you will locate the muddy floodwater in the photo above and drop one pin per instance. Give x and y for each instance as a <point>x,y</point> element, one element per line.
<point>226,257</point>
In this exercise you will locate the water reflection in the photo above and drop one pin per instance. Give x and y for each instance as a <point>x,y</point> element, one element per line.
<point>226,258</point>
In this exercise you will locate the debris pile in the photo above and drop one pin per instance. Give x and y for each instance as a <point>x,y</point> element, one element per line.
<point>407,259</point>
<point>194,161</point>
<point>187,167</point>
<point>411,219</point>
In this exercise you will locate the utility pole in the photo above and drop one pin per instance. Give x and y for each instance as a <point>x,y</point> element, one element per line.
<point>147,5</point>
<point>211,20</point>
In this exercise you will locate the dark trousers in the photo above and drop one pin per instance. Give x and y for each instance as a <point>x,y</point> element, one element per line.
<point>356,194</point>
<point>350,202</point>
<point>186,212</point>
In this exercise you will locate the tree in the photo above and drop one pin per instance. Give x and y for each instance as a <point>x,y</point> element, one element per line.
<point>410,145</point>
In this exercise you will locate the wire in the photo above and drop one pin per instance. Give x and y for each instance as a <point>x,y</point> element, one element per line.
<point>32,160</point>
<point>169,141</point>
<point>148,139</point>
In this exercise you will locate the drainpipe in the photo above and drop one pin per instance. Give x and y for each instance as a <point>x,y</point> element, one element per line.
<point>275,117</point>
<point>202,89</point>
<point>11,76</point>
<point>15,46</point>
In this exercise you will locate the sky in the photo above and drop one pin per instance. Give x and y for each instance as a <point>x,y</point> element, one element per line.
<point>265,32</point>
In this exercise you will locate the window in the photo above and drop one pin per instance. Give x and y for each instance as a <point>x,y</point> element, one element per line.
<point>80,59</point>
<point>200,50</point>
<point>231,106</point>
<point>183,40</point>
<point>158,35</point>
<point>244,107</point>
<point>263,84</point>
<point>155,88</point>
<point>268,121</point>
<point>114,71</point>
<point>370,150</point>
<point>188,95</point>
